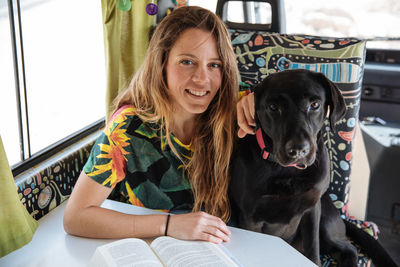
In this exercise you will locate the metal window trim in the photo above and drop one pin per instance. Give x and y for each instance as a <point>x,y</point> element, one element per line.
<point>49,151</point>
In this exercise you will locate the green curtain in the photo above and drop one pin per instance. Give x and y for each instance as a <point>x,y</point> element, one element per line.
<point>126,38</point>
<point>16,225</point>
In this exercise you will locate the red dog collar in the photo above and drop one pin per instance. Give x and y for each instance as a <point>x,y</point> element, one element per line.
<point>260,140</point>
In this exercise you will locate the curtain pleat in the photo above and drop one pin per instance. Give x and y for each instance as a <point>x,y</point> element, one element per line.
<point>126,38</point>
<point>17,226</point>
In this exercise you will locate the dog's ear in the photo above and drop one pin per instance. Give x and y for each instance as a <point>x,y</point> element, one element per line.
<point>334,99</point>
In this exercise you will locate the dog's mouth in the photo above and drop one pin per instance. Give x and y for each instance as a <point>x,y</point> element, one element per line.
<point>300,166</point>
<point>299,163</point>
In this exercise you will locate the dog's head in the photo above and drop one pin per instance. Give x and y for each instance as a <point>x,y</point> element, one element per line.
<point>290,108</point>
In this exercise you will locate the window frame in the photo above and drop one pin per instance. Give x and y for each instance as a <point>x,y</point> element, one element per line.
<point>49,151</point>
<point>27,159</point>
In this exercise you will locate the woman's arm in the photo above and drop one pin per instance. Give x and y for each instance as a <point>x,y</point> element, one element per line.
<point>84,217</point>
<point>245,115</point>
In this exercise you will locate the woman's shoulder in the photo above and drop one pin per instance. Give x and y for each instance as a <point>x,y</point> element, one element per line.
<point>123,113</point>
<point>121,119</point>
<point>126,119</point>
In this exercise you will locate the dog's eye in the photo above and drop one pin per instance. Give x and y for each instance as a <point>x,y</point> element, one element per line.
<point>273,107</point>
<point>315,105</point>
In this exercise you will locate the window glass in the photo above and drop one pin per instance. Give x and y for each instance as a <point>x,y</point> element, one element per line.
<point>209,4</point>
<point>65,68</point>
<point>369,19</point>
<point>343,18</point>
<point>8,110</point>
<point>235,11</point>
<point>262,13</point>
<point>258,12</point>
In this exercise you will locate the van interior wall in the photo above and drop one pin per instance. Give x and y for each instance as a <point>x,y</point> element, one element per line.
<point>359,178</point>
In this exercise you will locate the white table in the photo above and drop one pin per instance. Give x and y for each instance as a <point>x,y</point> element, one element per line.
<point>51,246</point>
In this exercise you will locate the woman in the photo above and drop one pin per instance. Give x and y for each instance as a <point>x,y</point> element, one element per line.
<point>167,145</point>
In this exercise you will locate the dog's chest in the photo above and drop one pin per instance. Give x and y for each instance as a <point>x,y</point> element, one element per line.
<point>286,231</point>
<point>280,205</point>
<point>285,185</point>
<point>289,182</point>
<point>281,198</point>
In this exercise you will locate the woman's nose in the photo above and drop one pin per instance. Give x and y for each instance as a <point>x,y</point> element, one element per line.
<point>200,75</point>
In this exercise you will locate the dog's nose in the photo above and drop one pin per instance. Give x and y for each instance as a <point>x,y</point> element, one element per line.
<point>297,150</point>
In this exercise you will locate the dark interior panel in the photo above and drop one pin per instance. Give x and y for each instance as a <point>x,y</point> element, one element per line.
<point>381,92</point>
<point>381,98</point>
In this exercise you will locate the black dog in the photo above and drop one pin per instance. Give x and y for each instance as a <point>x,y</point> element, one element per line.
<point>280,177</point>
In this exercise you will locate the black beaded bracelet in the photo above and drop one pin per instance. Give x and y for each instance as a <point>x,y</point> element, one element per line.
<point>166,225</point>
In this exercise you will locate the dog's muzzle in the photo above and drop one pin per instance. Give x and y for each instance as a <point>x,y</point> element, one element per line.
<point>265,154</point>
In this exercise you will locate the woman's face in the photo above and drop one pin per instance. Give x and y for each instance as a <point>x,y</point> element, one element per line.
<point>193,71</point>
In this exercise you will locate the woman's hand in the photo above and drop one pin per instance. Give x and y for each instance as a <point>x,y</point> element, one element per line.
<point>198,226</point>
<point>245,115</point>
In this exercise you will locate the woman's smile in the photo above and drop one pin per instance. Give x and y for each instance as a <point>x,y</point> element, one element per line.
<point>196,93</point>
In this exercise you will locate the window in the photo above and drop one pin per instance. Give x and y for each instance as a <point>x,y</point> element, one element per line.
<point>376,20</point>
<point>8,110</point>
<point>209,4</point>
<point>370,19</point>
<point>63,55</point>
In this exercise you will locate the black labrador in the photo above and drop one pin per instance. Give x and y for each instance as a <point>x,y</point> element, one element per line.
<point>280,176</point>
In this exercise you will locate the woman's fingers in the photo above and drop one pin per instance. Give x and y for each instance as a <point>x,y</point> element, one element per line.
<point>245,128</point>
<point>217,228</point>
<point>214,230</point>
<point>248,108</point>
<point>245,115</point>
<point>213,238</point>
<point>198,226</point>
<point>216,235</point>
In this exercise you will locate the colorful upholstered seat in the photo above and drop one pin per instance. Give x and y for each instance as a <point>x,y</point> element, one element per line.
<point>342,61</point>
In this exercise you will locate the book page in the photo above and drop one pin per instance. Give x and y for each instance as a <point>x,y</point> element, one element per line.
<point>125,252</point>
<point>174,252</point>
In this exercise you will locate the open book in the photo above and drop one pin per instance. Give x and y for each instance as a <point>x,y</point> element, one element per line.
<point>163,251</point>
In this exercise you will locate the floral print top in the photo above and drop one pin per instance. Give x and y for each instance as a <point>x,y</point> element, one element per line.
<point>130,157</point>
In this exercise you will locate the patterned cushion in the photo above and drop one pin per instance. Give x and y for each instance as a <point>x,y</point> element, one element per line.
<point>363,260</point>
<point>48,184</point>
<point>342,61</point>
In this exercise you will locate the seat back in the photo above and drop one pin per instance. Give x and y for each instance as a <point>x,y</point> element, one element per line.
<point>260,53</point>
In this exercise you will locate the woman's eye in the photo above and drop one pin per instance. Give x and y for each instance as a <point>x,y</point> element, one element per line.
<point>315,105</point>
<point>215,65</point>
<point>187,62</point>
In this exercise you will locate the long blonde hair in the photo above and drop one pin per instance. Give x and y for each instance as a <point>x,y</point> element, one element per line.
<point>208,169</point>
